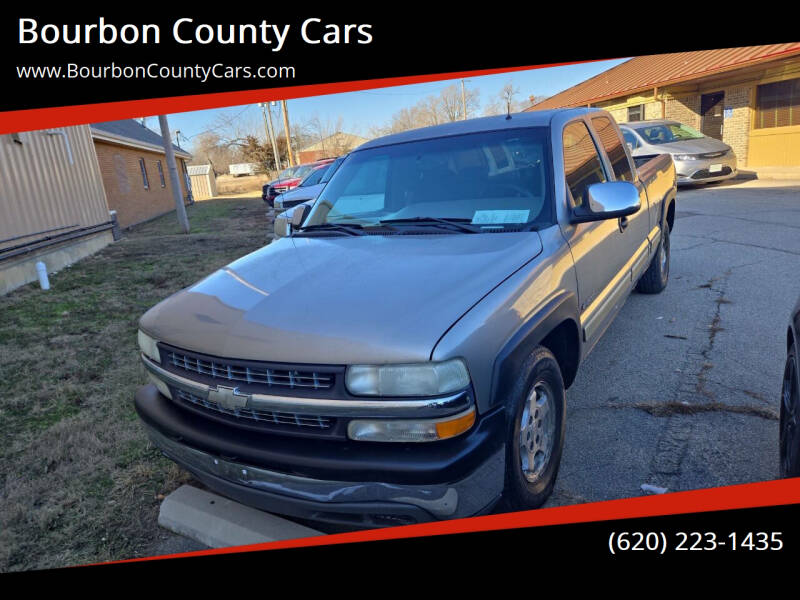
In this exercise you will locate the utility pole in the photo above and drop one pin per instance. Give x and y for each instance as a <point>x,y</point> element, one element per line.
<point>271,134</point>
<point>286,131</point>
<point>180,209</point>
<point>464,99</point>
<point>186,180</point>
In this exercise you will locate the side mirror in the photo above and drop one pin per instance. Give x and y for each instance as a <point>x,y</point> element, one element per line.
<point>281,226</point>
<point>290,219</point>
<point>299,214</point>
<point>630,146</point>
<point>609,200</point>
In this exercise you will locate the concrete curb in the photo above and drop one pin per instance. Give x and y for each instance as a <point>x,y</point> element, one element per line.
<point>219,522</point>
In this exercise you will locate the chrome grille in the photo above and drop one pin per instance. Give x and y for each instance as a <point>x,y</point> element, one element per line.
<point>262,416</point>
<point>292,379</point>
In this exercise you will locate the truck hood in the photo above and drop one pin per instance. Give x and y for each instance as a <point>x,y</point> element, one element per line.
<point>302,194</point>
<point>340,300</point>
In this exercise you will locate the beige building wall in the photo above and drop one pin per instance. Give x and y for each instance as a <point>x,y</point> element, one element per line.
<point>52,203</point>
<point>736,128</point>
<point>683,108</point>
<point>49,183</point>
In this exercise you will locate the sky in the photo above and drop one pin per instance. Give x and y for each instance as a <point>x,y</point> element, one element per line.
<point>362,110</point>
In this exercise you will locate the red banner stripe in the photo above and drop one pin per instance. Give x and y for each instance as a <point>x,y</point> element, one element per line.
<point>748,495</point>
<point>14,121</point>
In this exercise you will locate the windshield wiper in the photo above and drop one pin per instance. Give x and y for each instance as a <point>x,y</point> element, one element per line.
<point>350,229</point>
<point>450,223</point>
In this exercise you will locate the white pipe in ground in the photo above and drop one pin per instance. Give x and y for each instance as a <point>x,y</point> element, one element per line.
<point>43,280</point>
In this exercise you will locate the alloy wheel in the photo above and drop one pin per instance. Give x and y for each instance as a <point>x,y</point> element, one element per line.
<point>537,431</point>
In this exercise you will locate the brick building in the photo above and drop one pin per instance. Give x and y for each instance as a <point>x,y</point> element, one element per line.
<point>134,170</point>
<point>747,97</point>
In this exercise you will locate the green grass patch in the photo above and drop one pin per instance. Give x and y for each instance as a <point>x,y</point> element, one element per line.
<point>79,480</point>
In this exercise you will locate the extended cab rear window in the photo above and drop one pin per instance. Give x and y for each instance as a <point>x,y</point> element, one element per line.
<point>582,164</point>
<point>614,148</point>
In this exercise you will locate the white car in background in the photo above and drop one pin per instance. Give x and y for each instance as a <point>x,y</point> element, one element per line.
<point>697,157</point>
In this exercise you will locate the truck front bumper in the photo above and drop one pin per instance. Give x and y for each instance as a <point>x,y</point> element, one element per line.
<point>355,483</point>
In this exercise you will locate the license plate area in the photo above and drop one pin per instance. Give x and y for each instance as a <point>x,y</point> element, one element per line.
<point>716,168</point>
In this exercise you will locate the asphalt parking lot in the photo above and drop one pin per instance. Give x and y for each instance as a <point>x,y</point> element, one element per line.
<point>682,391</point>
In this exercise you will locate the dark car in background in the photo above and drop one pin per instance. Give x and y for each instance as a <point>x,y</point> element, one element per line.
<point>288,179</point>
<point>309,188</point>
<point>790,401</point>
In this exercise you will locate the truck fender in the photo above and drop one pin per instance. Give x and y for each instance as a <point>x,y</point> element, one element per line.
<point>560,312</point>
<point>669,200</point>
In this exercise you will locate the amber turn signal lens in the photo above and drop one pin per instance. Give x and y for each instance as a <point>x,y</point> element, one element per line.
<point>448,429</point>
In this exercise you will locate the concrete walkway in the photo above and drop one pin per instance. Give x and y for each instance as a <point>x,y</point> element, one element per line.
<point>218,522</point>
<point>761,173</point>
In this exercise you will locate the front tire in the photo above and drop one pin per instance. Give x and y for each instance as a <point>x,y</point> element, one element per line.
<point>656,277</point>
<point>789,443</point>
<point>535,432</point>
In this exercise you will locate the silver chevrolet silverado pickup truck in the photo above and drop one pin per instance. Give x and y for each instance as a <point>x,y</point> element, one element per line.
<point>403,355</point>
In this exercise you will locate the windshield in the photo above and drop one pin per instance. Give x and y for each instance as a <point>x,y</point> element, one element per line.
<point>331,170</point>
<point>314,177</point>
<point>494,180</point>
<point>672,132</point>
<point>287,173</point>
<point>301,171</point>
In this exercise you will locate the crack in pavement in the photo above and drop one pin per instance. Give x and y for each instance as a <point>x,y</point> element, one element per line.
<point>745,219</point>
<point>694,396</point>
<point>710,241</point>
<point>782,250</point>
<point>685,408</point>
<point>673,444</point>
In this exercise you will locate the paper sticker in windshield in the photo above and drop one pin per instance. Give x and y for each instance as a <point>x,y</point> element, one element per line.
<point>499,217</point>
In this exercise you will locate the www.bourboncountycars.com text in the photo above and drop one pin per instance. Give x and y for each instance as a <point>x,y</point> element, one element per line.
<point>201,73</point>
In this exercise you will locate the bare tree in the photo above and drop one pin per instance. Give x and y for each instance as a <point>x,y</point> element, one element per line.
<point>446,106</point>
<point>504,101</point>
<point>328,134</point>
<point>210,148</point>
<point>232,139</point>
<point>451,107</point>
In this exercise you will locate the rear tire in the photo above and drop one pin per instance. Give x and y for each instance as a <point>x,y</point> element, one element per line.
<point>535,432</point>
<point>656,277</point>
<point>789,443</point>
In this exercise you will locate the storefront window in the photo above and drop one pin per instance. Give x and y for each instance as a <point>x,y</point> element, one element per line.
<point>778,104</point>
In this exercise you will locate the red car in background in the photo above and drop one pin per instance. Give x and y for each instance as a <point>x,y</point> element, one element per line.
<point>289,178</point>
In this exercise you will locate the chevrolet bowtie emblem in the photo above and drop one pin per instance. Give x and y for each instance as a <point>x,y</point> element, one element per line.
<point>228,398</point>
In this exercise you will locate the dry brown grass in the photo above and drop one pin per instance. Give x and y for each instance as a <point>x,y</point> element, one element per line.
<point>79,482</point>
<point>228,184</point>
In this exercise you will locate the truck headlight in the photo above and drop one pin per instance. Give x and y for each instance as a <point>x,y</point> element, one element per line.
<point>149,347</point>
<point>421,379</point>
<point>401,430</point>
